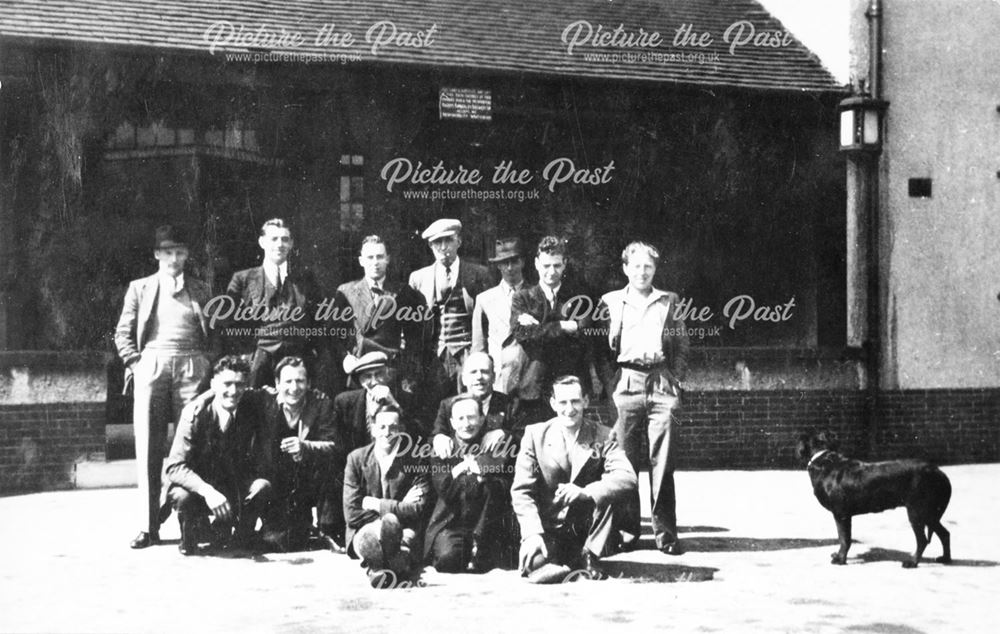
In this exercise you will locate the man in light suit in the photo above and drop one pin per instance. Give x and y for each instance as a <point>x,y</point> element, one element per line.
<point>568,476</point>
<point>491,317</point>
<point>164,340</point>
<point>449,287</point>
<point>376,314</point>
<point>279,289</point>
<point>648,345</point>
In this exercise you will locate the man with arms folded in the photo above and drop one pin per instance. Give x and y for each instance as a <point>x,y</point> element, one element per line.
<point>387,492</point>
<point>550,320</point>
<point>217,465</point>
<point>466,532</point>
<point>498,409</point>
<point>162,337</point>
<point>491,317</point>
<point>649,345</point>
<point>568,478</point>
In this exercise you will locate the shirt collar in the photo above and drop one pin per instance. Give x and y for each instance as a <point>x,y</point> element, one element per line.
<point>634,298</point>
<point>173,284</point>
<point>510,290</point>
<point>271,271</point>
<point>224,418</point>
<point>453,269</point>
<point>373,284</point>
<point>550,293</point>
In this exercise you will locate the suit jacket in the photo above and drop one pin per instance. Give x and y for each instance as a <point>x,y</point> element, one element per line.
<point>596,463</point>
<point>195,460</point>
<point>350,418</point>
<point>501,415</point>
<point>673,341</point>
<point>473,278</point>
<point>251,287</point>
<point>362,477</point>
<point>399,318</point>
<point>139,310</point>
<point>491,334</point>
<point>317,431</point>
<point>497,466</point>
<point>551,352</point>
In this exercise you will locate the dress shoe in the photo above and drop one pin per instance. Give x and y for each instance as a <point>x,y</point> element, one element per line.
<point>144,540</point>
<point>591,567</point>
<point>673,548</point>
<point>329,542</point>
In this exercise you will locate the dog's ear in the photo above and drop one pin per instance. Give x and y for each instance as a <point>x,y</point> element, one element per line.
<point>802,448</point>
<point>825,440</point>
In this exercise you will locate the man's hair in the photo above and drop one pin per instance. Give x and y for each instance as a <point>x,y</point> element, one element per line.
<point>388,407</point>
<point>231,362</point>
<point>465,397</point>
<point>373,239</point>
<point>274,222</point>
<point>470,356</point>
<point>639,246</point>
<point>289,362</point>
<point>566,379</point>
<point>552,245</point>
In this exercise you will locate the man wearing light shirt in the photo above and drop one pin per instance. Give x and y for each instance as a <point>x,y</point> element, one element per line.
<point>163,338</point>
<point>282,290</point>
<point>649,345</point>
<point>491,317</point>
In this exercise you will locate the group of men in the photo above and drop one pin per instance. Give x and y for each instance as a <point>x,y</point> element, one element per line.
<point>469,409</point>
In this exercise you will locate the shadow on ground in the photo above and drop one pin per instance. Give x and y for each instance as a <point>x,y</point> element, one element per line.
<point>884,554</point>
<point>702,529</point>
<point>641,572</point>
<point>740,544</point>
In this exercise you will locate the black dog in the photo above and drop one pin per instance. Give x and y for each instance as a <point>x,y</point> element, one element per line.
<point>847,487</point>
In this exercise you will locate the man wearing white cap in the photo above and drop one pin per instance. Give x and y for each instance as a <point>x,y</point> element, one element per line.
<point>353,410</point>
<point>449,287</point>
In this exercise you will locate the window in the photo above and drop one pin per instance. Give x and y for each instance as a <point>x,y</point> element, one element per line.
<point>352,192</point>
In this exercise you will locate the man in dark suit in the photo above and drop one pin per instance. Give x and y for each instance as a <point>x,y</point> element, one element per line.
<point>499,410</point>
<point>648,345</point>
<point>466,532</point>
<point>164,340</point>
<point>376,314</point>
<point>568,476</point>
<point>385,482</point>
<point>354,410</point>
<point>217,466</point>
<point>551,321</point>
<point>308,464</point>
<point>278,292</point>
<point>449,287</point>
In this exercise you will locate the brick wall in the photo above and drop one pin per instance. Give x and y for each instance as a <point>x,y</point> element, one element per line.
<point>759,429</point>
<point>40,443</point>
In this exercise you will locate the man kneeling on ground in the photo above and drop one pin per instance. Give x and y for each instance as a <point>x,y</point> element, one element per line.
<point>466,531</point>
<point>386,493</point>
<point>215,468</point>
<point>567,478</point>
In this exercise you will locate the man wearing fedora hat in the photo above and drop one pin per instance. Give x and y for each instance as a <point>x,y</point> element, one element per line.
<point>449,287</point>
<point>491,316</point>
<point>163,338</point>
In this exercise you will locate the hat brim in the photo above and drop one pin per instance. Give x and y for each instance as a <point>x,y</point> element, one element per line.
<point>368,366</point>
<point>504,258</point>
<point>443,234</point>
<point>170,244</point>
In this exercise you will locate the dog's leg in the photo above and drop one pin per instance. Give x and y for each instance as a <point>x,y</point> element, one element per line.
<point>945,538</point>
<point>917,523</point>
<point>844,534</point>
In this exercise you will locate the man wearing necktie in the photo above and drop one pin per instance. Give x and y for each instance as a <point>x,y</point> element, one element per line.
<point>283,291</point>
<point>568,479</point>
<point>218,466</point>
<point>378,314</point>
<point>491,317</point>
<point>551,321</point>
<point>163,338</point>
<point>449,287</point>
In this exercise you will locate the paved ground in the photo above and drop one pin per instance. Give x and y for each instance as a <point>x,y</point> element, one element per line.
<point>757,561</point>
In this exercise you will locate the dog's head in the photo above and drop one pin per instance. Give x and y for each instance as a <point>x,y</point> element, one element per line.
<point>811,444</point>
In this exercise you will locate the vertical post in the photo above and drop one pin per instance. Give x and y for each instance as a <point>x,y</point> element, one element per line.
<point>871,170</point>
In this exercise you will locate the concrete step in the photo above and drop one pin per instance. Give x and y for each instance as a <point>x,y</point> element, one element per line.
<point>97,473</point>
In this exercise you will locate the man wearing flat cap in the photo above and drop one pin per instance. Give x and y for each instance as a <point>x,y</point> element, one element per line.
<point>491,317</point>
<point>354,410</point>
<point>164,340</point>
<point>449,287</point>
